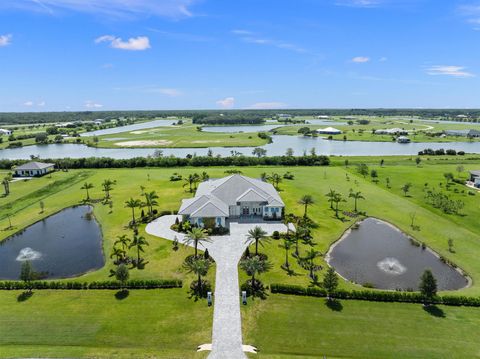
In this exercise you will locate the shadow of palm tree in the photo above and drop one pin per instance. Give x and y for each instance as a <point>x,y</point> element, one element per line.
<point>24,296</point>
<point>434,311</point>
<point>122,294</point>
<point>334,304</point>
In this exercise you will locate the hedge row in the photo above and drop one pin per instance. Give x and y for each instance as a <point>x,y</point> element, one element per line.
<point>376,296</point>
<point>131,284</point>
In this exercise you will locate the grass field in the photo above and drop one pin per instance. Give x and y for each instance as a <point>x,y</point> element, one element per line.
<point>95,324</point>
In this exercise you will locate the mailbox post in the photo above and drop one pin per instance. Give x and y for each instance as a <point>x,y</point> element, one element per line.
<point>244,297</point>
<point>209,298</point>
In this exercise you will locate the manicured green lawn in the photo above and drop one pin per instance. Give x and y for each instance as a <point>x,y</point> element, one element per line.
<point>94,324</point>
<point>300,327</point>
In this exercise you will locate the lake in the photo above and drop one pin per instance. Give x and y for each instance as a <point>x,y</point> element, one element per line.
<point>128,128</point>
<point>299,144</point>
<point>380,254</point>
<point>64,245</point>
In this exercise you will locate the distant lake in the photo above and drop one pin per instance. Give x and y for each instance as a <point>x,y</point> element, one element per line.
<point>380,254</point>
<point>128,128</point>
<point>64,245</point>
<point>299,144</point>
<point>237,129</point>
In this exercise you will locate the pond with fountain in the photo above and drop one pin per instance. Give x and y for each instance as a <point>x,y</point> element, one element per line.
<point>379,254</point>
<point>64,245</point>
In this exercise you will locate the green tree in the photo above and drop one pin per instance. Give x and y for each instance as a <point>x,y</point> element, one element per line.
<point>428,286</point>
<point>306,200</point>
<point>107,186</point>
<point>133,203</point>
<point>196,236</point>
<point>253,266</point>
<point>198,266</point>
<point>330,282</point>
<point>362,169</point>
<point>331,195</point>
<point>122,274</point>
<point>6,185</point>
<point>275,179</point>
<point>287,244</point>
<point>27,274</point>
<point>406,188</point>
<point>87,186</point>
<point>191,181</point>
<point>337,199</point>
<point>139,242</point>
<point>151,201</point>
<point>259,152</point>
<point>42,206</point>
<point>310,258</point>
<point>418,160</point>
<point>356,196</point>
<point>257,235</point>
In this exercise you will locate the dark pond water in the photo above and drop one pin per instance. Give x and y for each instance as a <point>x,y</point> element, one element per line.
<point>382,255</point>
<point>64,245</point>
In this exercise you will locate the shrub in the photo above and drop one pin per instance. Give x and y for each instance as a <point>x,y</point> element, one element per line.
<point>131,284</point>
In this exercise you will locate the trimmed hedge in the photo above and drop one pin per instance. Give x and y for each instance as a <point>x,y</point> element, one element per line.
<point>131,284</point>
<point>376,296</point>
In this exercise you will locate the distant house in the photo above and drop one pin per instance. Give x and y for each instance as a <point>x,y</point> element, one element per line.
<point>403,139</point>
<point>232,197</point>
<point>5,132</point>
<point>34,169</point>
<point>323,117</point>
<point>328,131</point>
<point>463,133</point>
<point>391,131</point>
<point>284,115</point>
<point>98,121</point>
<point>475,178</point>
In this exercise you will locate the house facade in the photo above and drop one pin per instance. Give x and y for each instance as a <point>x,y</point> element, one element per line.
<point>475,178</point>
<point>232,197</point>
<point>34,169</point>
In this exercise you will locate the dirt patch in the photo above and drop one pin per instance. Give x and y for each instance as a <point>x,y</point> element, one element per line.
<point>144,143</point>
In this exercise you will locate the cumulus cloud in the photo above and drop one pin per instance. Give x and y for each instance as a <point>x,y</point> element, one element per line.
<point>118,9</point>
<point>28,103</point>
<point>5,40</point>
<point>92,104</point>
<point>360,59</point>
<point>455,71</point>
<point>267,105</point>
<point>227,102</point>
<point>139,43</point>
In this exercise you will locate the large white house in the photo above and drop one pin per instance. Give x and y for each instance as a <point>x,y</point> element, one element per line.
<point>34,169</point>
<point>5,132</point>
<point>232,197</point>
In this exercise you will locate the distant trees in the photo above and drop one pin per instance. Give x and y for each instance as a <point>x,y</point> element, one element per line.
<point>259,152</point>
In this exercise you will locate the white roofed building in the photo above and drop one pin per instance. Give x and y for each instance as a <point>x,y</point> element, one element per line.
<point>235,197</point>
<point>328,131</point>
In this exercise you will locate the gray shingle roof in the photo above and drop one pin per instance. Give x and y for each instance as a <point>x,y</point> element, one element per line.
<point>34,166</point>
<point>475,173</point>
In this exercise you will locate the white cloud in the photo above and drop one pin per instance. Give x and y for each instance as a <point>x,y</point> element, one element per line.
<point>139,43</point>
<point>41,104</point>
<point>267,105</point>
<point>455,71</point>
<point>227,102</point>
<point>116,9</point>
<point>242,32</point>
<point>383,59</point>
<point>471,13</point>
<point>360,59</point>
<point>5,40</point>
<point>359,3</point>
<point>28,103</point>
<point>252,38</point>
<point>92,104</point>
<point>170,92</point>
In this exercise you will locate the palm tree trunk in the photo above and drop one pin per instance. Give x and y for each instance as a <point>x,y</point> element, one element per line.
<point>355,205</point>
<point>199,286</point>
<point>286,258</point>
<point>305,211</point>
<point>253,281</point>
<point>138,254</point>
<point>256,247</point>
<point>196,250</point>
<point>88,195</point>
<point>133,215</point>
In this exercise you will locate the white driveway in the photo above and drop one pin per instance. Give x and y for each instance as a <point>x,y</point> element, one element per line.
<point>226,251</point>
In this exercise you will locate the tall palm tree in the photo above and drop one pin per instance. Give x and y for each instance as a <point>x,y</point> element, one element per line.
<point>133,203</point>
<point>356,196</point>
<point>337,199</point>
<point>86,186</point>
<point>287,244</point>
<point>200,267</point>
<point>196,236</point>
<point>330,195</point>
<point>139,242</point>
<point>119,253</point>
<point>6,186</point>
<point>306,200</point>
<point>253,266</point>
<point>123,240</point>
<point>107,187</point>
<point>151,201</point>
<point>275,178</point>
<point>310,257</point>
<point>256,235</point>
<point>191,181</point>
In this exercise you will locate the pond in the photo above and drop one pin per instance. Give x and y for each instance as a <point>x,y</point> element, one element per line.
<point>280,143</point>
<point>128,128</point>
<point>380,254</point>
<point>64,245</point>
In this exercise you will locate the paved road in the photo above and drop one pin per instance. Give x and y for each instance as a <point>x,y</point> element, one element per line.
<point>226,251</point>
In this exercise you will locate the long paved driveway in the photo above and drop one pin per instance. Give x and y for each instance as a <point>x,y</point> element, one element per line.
<point>226,251</point>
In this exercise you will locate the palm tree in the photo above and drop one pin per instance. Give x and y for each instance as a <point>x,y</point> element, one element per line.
<point>200,267</point>
<point>107,187</point>
<point>151,201</point>
<point>275,178</point>
<point>123,240</point>
<point>256,234</point>
<point>310,257</point>
<point>306,201</point>
<point>287,244</point>
<point>337,199</point>
<point>139,242</point>
<point>86,186</point>
<point>191,181</point>
<point>6,186</point>
<point>205,176</point>
<point>196,236</point>
<point>119,253</point>
<point>253,266</point>
<point>133,203</point>
<point>356,196</point>
<point>330,195</point>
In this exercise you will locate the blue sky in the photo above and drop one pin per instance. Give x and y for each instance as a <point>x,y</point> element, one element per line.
<point>60,55</point>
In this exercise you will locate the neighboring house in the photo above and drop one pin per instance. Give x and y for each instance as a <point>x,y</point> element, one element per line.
<point>475,178</point>
<point>284,115</point>
<point>328,131</point>
<point>34,169</point>
<point>391,131</point>
<point>323,117</point>
<point>463,133</point>
<point>5,132</point>
<point>403,139</point>
<point>232,197</point>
